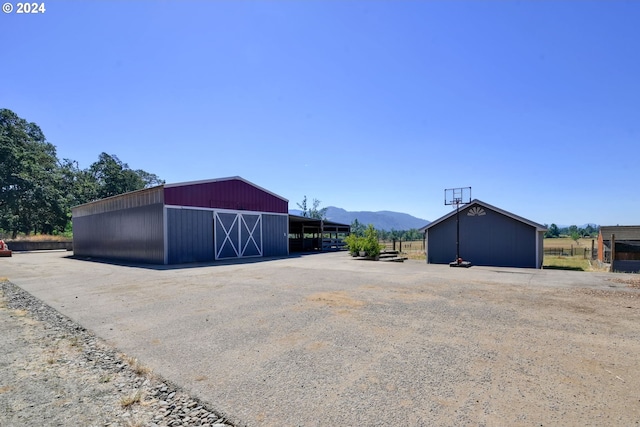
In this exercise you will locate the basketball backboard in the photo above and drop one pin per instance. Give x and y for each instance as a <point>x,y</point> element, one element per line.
<point>457,196</point>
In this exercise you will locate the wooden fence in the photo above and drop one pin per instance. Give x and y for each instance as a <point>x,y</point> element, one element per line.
<point>404,246</point>
<point>584,252</point>
<point>416,247</point>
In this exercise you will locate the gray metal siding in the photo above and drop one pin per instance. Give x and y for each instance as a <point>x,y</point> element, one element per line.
<point>626,266</point>
<point>189,235</point>
<point>134,199</point>
<point>442,243</point>
<point>275,235</point>
<point>491,239</point>
<point>134,234</point>
<point>540,249</point>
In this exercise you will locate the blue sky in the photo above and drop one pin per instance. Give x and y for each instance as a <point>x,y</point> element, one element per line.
<point>363,105</point>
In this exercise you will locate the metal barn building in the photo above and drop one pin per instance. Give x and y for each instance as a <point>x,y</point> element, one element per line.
<point>187,222</point>
<point>488,236</point>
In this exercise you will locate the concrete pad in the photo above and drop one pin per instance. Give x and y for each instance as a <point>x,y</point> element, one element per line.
<point>326,339</point>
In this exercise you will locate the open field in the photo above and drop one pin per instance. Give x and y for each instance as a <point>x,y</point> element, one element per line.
<point>328,339</point>
<point>413,249</point>
<point>567,242</point>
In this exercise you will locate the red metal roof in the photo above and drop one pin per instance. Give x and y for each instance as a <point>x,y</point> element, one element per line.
<point>233,193</point>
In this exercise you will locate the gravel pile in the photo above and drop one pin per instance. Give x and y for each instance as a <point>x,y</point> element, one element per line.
<point>54,372</point>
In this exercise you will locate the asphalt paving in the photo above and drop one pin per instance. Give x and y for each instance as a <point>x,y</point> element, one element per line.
<point>308,340</point>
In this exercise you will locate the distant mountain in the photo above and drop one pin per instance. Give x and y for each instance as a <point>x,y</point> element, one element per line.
<point>382,220</point>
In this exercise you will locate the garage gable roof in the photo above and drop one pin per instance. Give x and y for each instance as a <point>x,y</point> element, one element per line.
<point>538,227</point>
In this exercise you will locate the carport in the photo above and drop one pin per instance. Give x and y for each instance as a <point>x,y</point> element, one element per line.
<point>310,234</point>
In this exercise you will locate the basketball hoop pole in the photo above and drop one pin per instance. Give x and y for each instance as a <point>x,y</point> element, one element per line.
<point>457,231</point>
<point>456,196</point>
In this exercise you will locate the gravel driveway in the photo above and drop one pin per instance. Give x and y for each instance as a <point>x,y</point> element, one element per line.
<point>325,339</point>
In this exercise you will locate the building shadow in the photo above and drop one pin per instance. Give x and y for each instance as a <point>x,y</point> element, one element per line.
<point>557,267</point>
<point>162,267</point>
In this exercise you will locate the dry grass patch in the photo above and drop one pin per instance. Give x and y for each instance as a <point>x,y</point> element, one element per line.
<point>633,282</point>
<point>20,313</point>
<point>40,238</point>
<point>567,242</point>
<point>129,401</point>
<point>136,366</point>
<point>336,299</point>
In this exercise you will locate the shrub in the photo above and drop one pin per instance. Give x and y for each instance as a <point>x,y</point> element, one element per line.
<point>370,244</point>
<point>354,244</point>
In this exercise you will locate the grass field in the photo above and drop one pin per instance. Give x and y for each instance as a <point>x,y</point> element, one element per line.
<point>577,263</point>
<point>567,242</point>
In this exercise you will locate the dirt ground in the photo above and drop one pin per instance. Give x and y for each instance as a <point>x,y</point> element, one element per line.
<point>328,340</point>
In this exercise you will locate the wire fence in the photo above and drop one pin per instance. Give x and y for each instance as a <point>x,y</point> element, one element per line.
<point>412,248</point>
<point>584,252</point>
<point>416,248</point>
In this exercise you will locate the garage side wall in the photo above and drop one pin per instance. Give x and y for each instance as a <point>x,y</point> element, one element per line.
<point>189,235</point>
<point>133,234</point>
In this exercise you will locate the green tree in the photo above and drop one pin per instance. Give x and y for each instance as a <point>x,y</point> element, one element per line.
<point>315,211</point>
<point>303,207</point>
<point>37,191</point>
<point>29,198</point>
<point>357,228</point>
<point>412,234</point>
<point>552,231</point>
<point>591,230</point>
<point>114,177</point>
<point>79,185</point>
<point>574,232</point>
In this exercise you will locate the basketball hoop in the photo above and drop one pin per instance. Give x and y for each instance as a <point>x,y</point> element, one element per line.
<point>456,197</point>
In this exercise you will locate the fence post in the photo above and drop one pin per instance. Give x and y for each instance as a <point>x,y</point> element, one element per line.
<point>613,252</point>
<point>400,245</point>
<point>592,247</point>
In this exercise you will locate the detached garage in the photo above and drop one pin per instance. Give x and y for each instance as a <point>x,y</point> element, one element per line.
<point>488,236</point>
<point>187,222</point>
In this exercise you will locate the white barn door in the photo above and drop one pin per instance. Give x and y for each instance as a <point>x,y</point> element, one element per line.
<point>237,235</point>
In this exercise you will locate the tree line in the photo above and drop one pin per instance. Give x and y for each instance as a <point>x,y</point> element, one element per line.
<point>38,190</point>
<point>572,231</point>
<point>359,229</point>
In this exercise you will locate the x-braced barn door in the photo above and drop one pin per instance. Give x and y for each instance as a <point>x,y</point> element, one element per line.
<point>237,235</point>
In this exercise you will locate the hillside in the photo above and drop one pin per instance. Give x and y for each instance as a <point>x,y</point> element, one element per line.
<point>382,220</point>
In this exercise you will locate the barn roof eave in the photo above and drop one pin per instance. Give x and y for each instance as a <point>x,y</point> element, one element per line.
<point>538,227</point>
